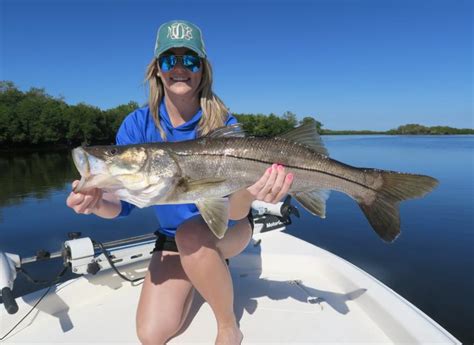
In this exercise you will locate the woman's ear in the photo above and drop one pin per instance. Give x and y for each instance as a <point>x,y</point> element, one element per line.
<point>157,70</point>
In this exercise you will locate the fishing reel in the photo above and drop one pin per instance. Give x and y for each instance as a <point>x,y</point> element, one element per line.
<point>277,216</point>
<point>75,252</point>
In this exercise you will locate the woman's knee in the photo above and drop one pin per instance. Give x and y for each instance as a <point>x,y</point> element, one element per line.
<point>150,332</point>
<point>194,235</point>
<point>236,239</point>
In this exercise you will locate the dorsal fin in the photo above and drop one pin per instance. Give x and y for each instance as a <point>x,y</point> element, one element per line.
<point>306,134</point>
<point>234,131</point>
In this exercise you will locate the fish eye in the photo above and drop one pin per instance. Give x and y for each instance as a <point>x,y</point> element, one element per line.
<point>113,151</point>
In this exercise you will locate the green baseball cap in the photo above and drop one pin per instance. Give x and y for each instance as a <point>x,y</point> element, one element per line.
<point>179,33</point>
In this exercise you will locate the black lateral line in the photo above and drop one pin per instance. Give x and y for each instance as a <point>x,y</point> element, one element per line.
<point>286,166</point>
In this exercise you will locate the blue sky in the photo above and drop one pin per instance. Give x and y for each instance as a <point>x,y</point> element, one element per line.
<point>352,64</point>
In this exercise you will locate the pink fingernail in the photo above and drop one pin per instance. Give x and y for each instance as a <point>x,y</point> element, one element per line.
<point>269,170</point>
<point>274,166</point>
<point>289,177</point>
<point>280,167</point>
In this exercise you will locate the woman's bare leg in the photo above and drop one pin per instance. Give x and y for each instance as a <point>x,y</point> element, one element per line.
<point>165,299</point>
<point>202,258</point>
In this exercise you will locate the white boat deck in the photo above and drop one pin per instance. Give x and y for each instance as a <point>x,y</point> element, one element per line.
<point>286,291</point>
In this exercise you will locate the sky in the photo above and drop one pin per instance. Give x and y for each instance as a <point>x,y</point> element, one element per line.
<point>351,64</point>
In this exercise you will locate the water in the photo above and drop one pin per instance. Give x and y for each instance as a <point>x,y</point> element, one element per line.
<point>431,264</point>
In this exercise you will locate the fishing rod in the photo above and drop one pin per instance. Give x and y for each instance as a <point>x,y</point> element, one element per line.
<point>83,255</point>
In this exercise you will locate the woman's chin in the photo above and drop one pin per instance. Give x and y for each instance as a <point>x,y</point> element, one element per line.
<point>181,90</point>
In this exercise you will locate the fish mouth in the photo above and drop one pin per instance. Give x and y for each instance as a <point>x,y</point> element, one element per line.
<point>79,156</point>
<point>93,170</point>
<point>81,161</point>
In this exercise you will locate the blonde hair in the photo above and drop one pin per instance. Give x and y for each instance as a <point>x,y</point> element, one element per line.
<point>214,111</point>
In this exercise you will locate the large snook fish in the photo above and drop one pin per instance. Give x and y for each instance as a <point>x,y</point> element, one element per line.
<point>206,170</point>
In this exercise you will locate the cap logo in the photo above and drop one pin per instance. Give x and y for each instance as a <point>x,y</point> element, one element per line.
<point>179,31</point>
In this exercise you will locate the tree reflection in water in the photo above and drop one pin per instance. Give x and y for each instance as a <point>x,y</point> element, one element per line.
<point>33,174</point>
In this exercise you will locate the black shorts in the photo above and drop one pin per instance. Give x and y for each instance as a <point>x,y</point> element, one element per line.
<point>164,242</point>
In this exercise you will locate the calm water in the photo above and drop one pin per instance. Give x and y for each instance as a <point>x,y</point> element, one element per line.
<point>431,264</point>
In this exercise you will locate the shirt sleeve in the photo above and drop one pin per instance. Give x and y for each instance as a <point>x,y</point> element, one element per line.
<point>230,120</point>
<point>126,209</point>
<point>129,133</point>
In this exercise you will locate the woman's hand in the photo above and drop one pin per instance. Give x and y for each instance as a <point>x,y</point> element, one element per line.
<point>84,202</point>
<point>273,185</point>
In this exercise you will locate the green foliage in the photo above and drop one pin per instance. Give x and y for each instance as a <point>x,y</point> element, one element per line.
<point>84,122</point>
<point>113,117</point>
<point>290,117</point>
<point>261,125</point>
<point>417,129</point>
<point>309,119</point>
<point>265,126</point>
<point>351,132</point>
<point>36,118</point>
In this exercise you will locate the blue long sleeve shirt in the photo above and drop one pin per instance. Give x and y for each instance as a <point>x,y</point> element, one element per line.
<point>139,128</point>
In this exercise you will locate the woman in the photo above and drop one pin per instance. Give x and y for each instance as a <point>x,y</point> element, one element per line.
<point>187,255</point>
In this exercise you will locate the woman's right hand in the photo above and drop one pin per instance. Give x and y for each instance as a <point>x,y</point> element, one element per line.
<point>84,202</point>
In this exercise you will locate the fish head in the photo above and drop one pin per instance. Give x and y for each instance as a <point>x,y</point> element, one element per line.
<point>114,168</point>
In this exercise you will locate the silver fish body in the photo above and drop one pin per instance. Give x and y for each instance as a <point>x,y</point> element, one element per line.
<point>206,170</point>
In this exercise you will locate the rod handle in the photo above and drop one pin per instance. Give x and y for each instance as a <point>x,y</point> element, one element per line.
<point>8,301</point>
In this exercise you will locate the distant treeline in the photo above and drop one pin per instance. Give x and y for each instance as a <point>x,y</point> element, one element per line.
<point>36,118</point>
<point>409,129</point>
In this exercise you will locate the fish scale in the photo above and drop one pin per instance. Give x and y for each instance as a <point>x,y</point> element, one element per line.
<point>231,157</point>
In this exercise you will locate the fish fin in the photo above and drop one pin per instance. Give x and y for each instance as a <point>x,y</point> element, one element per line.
<point>382,212</point>
<point>185,184</point>
<point>235,131</point>
<point>314,201</point>
<point>306,134</point>
<point>215,212</point>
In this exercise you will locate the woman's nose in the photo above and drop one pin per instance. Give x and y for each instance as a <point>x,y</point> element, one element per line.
<point>179,65</point>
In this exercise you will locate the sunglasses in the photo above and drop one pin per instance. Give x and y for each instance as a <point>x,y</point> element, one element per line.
<point>190,62</point>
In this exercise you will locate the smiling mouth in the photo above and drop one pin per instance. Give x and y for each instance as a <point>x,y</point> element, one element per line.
<point>180,79</point>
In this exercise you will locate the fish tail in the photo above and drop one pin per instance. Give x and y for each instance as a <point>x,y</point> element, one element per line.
<point>382,211</point>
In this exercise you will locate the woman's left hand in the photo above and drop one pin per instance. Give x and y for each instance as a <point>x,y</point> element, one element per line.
<point>273,185</point>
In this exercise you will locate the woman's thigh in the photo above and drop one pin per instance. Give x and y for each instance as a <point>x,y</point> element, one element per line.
<point>194,234</point>
<point>164,300</point>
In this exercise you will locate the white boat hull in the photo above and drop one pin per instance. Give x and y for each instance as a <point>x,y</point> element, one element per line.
<point>286,291</point>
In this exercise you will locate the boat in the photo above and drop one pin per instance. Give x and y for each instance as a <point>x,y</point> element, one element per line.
<point>286,291</point>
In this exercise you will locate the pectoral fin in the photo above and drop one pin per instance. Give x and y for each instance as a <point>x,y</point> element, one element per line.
<point>216,214</point>
<point>185,187</point>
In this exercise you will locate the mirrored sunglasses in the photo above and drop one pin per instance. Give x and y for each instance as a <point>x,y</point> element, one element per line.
<point>190,62</point>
